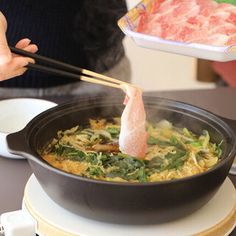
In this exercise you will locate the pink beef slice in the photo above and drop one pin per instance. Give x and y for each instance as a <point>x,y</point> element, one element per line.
<point>230,9</point>
<point>191,21</point>
<point>150,24</point>
<point>143,24</point>
<point>156,5</point>
<point>166,6</point>
<point>206,6</point>
<point>191,35</point>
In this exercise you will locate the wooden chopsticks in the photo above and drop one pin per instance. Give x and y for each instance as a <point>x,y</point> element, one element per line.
<point>63,69</point>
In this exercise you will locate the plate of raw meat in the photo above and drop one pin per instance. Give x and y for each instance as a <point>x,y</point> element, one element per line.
<point>198,28</point>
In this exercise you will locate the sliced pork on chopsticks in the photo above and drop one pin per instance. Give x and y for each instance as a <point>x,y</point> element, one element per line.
<point>133,135</point>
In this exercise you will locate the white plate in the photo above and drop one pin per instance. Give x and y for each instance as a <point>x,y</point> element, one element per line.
<point>128,24</point>
<point>15,115</point>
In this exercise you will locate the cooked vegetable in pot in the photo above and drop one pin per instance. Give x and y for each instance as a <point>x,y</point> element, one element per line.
<point>93,152</point>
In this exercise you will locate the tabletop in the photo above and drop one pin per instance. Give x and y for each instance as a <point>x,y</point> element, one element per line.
<point>15,173</point>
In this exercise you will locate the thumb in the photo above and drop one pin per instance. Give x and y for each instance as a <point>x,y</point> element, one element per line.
<point>5,54</point>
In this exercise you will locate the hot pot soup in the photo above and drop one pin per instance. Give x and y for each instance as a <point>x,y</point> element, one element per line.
<point>93,152</point>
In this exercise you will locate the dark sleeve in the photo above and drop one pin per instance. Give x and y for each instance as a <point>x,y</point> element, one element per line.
<point>97,32</point>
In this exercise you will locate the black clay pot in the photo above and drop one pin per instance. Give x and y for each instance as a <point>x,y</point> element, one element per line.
<point>136,203</point>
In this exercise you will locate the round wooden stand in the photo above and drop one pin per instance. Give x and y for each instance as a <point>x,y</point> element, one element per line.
<point>216,218</point>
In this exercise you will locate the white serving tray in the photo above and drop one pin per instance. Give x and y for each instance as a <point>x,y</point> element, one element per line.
<point>128,24</point>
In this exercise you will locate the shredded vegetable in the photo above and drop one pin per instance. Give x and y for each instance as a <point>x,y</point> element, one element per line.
<point>93,152</point>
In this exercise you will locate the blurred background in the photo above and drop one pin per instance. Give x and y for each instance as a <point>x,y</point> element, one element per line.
<point>155,70</point>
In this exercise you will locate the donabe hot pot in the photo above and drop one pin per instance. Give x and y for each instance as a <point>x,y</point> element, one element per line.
<point>118,202</point>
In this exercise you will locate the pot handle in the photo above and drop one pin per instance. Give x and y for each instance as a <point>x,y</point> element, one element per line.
<point>17,144</point>
<point>230,122</point>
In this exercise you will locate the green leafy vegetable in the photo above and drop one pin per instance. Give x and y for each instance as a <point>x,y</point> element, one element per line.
<point>218,149</point>
<point>156,163</point>
<point>114,131</point>
<point>176,160</point>
<point>153,141</point>
<point>204,139</point>
<point>69,152</point>
<point>176,142</point>
<point>187,133</point>
<point>233,2</point>
<point>95,171</point>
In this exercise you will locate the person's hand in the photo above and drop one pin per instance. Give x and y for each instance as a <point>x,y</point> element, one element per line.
<point>12,65</point>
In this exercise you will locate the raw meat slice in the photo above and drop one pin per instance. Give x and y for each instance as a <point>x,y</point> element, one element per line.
<point>206,7</point>
<point>232,18</point>
<point>156,5</point>
<point>133,135</point>
<point>191,21</point>
<point>186,9</point>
